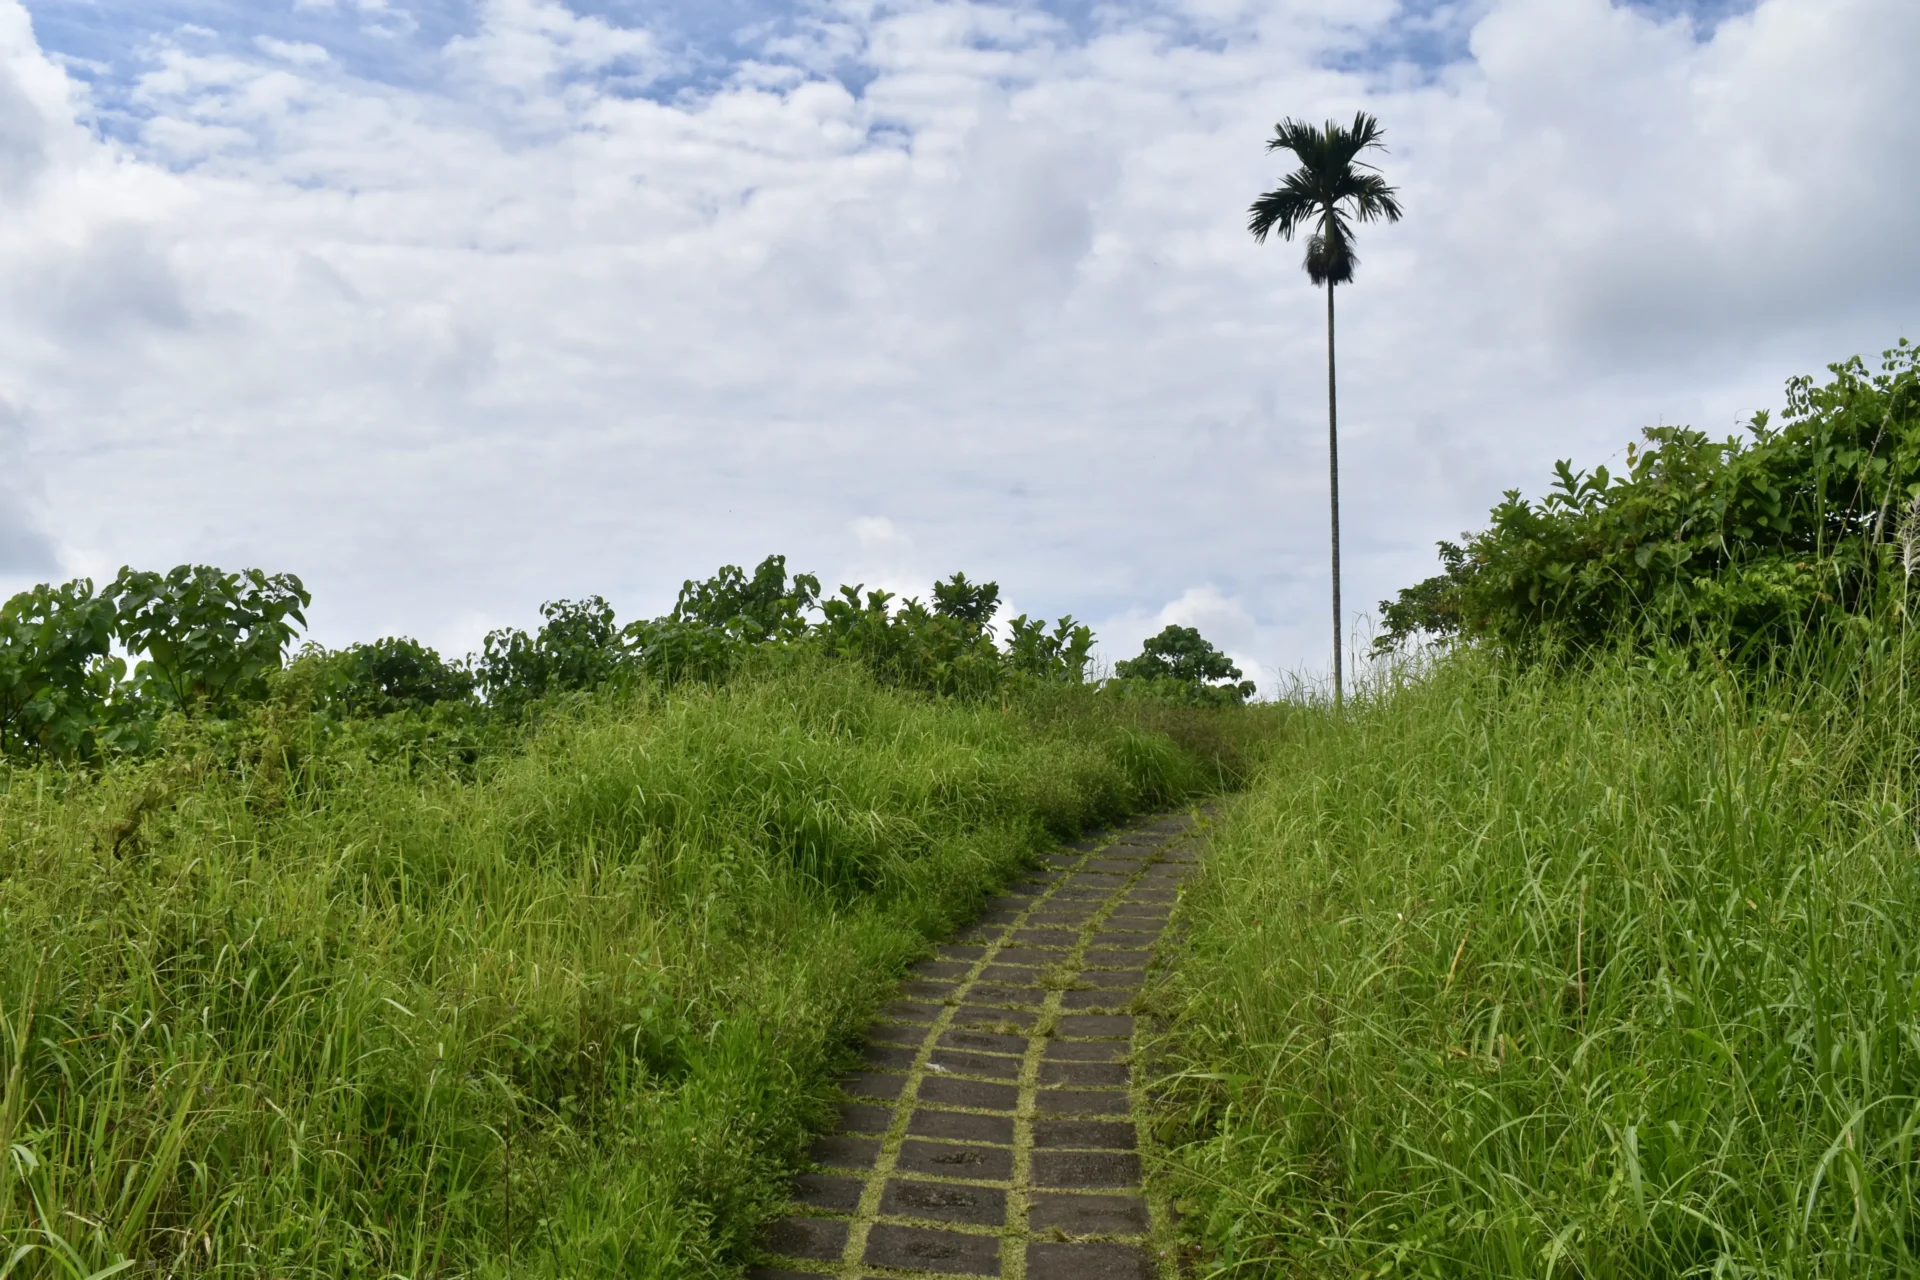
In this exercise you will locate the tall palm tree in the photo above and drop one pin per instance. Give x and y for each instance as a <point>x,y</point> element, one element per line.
<point>1330,191</point>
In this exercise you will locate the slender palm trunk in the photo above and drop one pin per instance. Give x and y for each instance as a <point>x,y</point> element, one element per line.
<point>1333,487</point>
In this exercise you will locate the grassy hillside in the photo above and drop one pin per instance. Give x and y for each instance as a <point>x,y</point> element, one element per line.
<point>274,1002</point>
<point>1607,973</point>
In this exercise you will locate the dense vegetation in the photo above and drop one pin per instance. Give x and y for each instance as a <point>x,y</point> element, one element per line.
<point>1732,547</point>
<point>1585,946</point>
<point>372,964</point>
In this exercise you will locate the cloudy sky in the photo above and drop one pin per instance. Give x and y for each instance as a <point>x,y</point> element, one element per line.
<point>455,306</point>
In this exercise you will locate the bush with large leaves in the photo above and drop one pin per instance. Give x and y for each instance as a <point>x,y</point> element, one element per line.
<point>1737,544</point>
<point>57,671</point>
<point>210,637</point>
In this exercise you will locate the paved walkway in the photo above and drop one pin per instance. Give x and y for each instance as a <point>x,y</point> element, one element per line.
<point>994,1133</point>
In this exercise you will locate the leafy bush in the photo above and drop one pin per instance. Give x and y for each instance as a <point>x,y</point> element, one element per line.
<point>57,671</point>
<point>1181,664</point>
<point>209,637</point>
<point>577,647</point>
<point>1740,545</point>
<point>757,609</point>
<point>396,674</point>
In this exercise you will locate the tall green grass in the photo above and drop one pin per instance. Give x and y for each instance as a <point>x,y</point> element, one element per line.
<point>1607,974</point>
<point>298,1012</point>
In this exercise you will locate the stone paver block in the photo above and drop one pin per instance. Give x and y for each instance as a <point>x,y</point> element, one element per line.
<point>1080,1102</point>
<point>1080,1000</point>
<point>897,1033</point>
<point>924,990</point>
<point>1111,937</point>
<point>1115,979</point>
<point>781,1273</point>
<point>953,1160</point>
<point>923,1249</point>
<point>1147,911</point>
<point>1096,1026</point>
<point>1100,879</point>
<point>961,1126</point>
<point>1088,1215</point>
<point>1015,973</point>
<point>819,1238</point>
<point>872,1084</point>
<point>1065,916</point>
<point>1094,1135</point>
<point>974,1064</point>
<point>1002,913</point>
<point>1093,1170</point>
<point>864,1117</point>
<point>993,993</point>
<point>944,1202</point>
<point>1080,894</point>
<point>941,969</point>
<point>1117,957</point>
<point>984,1042</point>
<point>1026,955</point>
<point>960,951</point>
<point>1087,1050</point>
<point>889,1057</point>
<point>1006,1021</point>
<point>1047,937</point>
<point>1107,1075</point>
<point>842,1152</point>
<point>833,1192</point>
<point>1153,895</point>
<point>911,1011</point>
<point>977,1094</point>
<point>982,934</point>
<point>1047,1261</point>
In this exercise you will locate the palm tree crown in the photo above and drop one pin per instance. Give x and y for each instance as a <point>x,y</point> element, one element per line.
<point>1328,192</point>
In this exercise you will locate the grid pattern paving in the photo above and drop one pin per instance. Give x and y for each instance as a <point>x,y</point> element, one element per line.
<point>992,1132</point>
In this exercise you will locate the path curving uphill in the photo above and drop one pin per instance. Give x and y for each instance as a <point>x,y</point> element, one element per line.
<point>994,1132</point>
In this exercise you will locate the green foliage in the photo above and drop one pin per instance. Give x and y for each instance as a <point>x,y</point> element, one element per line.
<point>757,609</point>
<point>210,637</point>
<point>1738,545</point>
<point>578,647</point>
<point>1059,655</point>
<point>57,671</point>
<point>393,675</point>
<point>972,604</point>
<point>1182,664</point>
<point>295,1010</point>
<point>1603,973</point>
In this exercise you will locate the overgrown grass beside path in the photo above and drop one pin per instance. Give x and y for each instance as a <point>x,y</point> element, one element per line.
<point>308,1013</point>
<point>1606,973</point>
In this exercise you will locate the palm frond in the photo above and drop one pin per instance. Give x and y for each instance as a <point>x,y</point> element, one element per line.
<point>1284,209</point>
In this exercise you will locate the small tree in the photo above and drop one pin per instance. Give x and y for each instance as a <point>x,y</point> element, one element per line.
<point>1181,659</point>
<point>209,637</point>
<point>57,672</point>
<point>396,674</point>
<point>578,647</point>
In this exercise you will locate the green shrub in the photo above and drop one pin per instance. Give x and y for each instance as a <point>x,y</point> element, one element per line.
<point>1737,546</point>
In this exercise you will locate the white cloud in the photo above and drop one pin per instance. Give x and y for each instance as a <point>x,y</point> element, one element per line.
<point>298,52</point>
<point>449,352</point>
